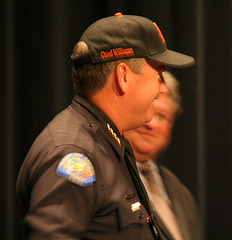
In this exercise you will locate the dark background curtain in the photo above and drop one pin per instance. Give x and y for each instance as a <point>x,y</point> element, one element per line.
<point>37,38</point>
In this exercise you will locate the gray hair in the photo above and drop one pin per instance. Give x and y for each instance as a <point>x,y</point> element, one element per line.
<point>174,91</point>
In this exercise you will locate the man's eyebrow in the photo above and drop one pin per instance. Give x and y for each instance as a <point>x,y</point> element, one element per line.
<point>162,68</point>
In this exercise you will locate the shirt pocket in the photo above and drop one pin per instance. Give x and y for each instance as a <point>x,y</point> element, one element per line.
<point>131,213</point>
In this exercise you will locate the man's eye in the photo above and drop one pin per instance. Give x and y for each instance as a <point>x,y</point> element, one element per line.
<point>161,116</point>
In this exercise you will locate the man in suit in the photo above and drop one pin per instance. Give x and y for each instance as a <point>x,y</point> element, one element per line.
<point>174,204</point>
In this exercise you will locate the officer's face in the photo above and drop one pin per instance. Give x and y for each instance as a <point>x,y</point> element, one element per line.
<point>146,89</point>
<point>154,137</point>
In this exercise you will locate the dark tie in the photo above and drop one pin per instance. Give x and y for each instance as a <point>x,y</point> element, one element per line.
<point>131,163</point>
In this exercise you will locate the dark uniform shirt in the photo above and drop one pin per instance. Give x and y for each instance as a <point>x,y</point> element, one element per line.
<point>75,184</point>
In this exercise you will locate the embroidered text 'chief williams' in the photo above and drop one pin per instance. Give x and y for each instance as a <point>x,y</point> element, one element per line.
<point>127,36</point>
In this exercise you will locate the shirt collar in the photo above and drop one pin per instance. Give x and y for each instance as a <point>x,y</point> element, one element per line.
<point>107,126</point>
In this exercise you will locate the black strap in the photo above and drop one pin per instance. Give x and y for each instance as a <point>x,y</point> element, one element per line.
<point>131,163</point>
<point>81,60</point>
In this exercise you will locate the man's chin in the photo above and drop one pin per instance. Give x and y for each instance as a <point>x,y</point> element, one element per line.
<point>146,150</point>
<point>142,160</point>
<point>148,118</point>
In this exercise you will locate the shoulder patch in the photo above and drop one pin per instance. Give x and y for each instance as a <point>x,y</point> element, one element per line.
<point>77,168</point>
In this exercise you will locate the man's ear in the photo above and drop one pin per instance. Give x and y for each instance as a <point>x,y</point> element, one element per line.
<point>121,77</point>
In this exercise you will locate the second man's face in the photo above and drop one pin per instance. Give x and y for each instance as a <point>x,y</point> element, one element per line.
<point>154,137</point>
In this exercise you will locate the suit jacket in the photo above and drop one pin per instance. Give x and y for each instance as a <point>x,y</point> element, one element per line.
<point>184,207</point>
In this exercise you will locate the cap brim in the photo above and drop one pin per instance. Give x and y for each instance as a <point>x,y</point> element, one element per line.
<point>173,59</point>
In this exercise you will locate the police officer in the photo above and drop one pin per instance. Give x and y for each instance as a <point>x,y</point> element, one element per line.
<point>79,179</point>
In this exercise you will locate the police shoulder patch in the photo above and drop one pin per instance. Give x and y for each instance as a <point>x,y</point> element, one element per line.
<point>77,168</point>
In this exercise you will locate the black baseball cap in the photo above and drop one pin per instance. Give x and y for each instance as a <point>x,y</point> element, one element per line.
<point>128,36</point>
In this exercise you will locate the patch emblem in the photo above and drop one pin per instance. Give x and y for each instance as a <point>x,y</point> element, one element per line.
<point>77,168</point>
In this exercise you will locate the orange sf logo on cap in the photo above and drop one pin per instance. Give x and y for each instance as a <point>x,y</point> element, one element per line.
<point>160,33</point>
<point>118,14</point>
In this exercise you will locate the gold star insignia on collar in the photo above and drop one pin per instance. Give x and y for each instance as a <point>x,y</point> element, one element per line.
<point>113,134</point>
